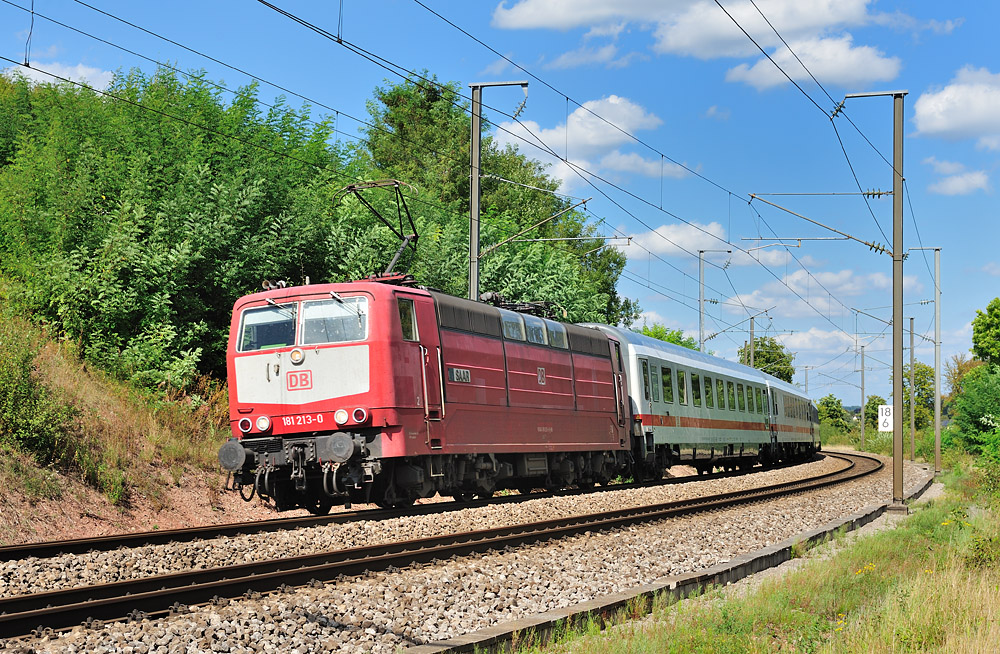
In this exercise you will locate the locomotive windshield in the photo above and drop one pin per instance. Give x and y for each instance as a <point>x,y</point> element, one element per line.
<point>264,328</point>
<point>335,321</point>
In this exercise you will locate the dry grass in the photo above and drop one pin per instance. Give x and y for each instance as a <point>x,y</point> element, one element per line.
<point>135,440</point>
<point>119,439</point>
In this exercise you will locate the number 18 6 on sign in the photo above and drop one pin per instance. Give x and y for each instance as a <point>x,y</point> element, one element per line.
<point>885,417</point>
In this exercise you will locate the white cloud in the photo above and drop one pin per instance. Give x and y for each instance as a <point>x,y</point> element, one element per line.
<point>992,268</point>
<point>817,340</point>
<point>611,30</point>
<point>965,108</point>
<point>566,14</point>
<point>498,67</point>
<point>583,56</point>
<point>962,184</point>
<point>831,60</point>
<point>635,163</point>
<point>944,167</point>
<point>716,112</point>
<point>94,77</point>
<point>770,257</point>
<point>957,180</point>
<point>587,135</point>
<point>702,30</point>
<point>673,240</point>
<point>819,290</point>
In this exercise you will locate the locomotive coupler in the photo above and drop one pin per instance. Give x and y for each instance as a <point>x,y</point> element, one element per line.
<point>298,460</point>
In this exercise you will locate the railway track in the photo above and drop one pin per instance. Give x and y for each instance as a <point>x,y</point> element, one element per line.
<point>159,595</point>
<point>47,549</point>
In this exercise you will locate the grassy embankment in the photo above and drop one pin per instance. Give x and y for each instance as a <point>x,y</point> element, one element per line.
<point>931,584</point>
<point>60,416</point>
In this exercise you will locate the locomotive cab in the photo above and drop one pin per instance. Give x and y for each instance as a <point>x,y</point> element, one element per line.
<point>302,402</point>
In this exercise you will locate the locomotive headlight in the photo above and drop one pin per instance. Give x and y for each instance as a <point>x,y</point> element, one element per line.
<point>263,423</point>
<point>360,415</point>
<point>340,416</point>
<point>245,425</point>
<point>297,356</point>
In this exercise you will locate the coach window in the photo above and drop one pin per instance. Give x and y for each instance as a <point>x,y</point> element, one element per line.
<point>407,319</point>
<point>656,382</point>
<point>732,396</point>
<point>739,397</point>
<point>557,335</point>
<point>720,390</point>
<point>681,387</point>
<point>696,389</point>
<point>513,325</point>
<point>667,379</point>
<point>749,398</point>
<point>645,378</point>
<point>760,406</point>
<point>709,400</point>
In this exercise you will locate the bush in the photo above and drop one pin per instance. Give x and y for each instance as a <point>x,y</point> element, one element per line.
<point>31,419</point>
<point>977,410</point>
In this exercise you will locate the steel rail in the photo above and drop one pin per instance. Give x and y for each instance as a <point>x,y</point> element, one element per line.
<point>46,549</point>
<point>63,609</point>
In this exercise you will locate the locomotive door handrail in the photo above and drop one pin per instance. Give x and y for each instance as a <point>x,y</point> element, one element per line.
<point>441,379</point>
<point>423,378</point>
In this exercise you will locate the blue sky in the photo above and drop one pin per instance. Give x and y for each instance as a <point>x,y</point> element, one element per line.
<point>669,117</point>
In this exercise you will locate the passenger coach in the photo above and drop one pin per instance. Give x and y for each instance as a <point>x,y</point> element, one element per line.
<point>690,407</point>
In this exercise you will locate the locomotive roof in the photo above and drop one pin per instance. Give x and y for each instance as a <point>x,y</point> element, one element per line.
<point>694,358</point>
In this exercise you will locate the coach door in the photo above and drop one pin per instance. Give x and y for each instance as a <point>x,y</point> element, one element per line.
<point>416,315</point>
<point>620,391</point>
<point>772,414</point>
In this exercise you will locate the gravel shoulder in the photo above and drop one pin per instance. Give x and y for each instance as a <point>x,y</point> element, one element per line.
<point>382,612</point>
<point>34,574</point>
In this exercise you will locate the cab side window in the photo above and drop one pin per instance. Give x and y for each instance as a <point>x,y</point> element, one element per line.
<point>408,319</point>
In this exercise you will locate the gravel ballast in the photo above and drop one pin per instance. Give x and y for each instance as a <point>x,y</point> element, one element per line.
<point>381,612</point>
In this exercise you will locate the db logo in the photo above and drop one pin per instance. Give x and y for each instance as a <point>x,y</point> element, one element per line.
<point>300,380</point>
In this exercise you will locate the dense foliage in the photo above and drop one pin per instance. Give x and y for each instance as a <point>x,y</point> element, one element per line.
<point>832,413</point>
<point>986,333</point>
<point>675,336</point>
<point>977,410</point>
<point>770,356</point>
<point>871,410</point>
<point>130,222</point>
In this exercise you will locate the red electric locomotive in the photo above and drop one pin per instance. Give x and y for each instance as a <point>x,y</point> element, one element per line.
<point>382,391</point>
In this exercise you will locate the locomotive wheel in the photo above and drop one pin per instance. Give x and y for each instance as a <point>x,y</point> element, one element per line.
<point>319,506</point>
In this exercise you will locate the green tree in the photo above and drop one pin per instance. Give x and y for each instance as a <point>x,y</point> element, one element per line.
<point>955,371</point>
<point>986,333</point>
<point>675,336</point>
<point>420,132</point>
<point>923,385</point>
<point>871,410</point>
<point>770,356</point>
<point>832,413</point>
<point>977,410</point>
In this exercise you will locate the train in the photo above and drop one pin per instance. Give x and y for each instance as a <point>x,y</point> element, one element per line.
<point>383,391</point>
